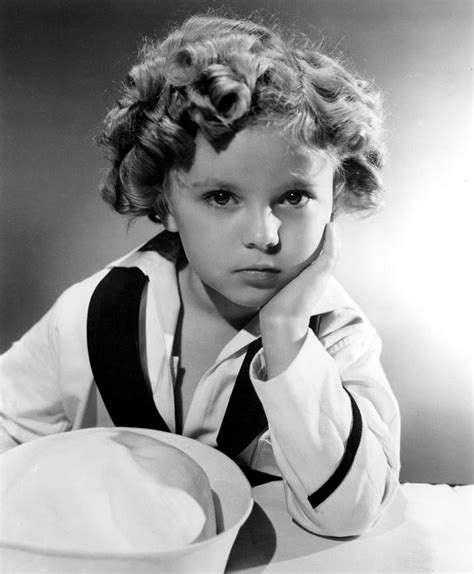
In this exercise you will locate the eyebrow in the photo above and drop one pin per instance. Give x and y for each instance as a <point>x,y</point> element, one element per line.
<point>219,183</point>
<point>211,183</point>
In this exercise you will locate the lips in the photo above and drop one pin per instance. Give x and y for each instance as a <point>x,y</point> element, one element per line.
<point>259,269</point>
<point>259,276</point>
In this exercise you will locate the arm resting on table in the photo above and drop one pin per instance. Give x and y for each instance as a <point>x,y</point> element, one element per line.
<point>329,490</point>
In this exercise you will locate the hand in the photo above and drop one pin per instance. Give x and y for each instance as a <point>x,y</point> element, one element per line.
<point>284,319</point>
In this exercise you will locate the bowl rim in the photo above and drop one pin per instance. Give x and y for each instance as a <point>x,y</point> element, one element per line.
<point>173,440</point>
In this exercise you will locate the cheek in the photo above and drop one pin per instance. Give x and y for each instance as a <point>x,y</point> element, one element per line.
<point>204,248</point>
<point>209,242</point>
<point>300,242</point>
<point>202,257</point>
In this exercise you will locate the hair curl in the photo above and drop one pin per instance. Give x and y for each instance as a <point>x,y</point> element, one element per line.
<point>217,75</point>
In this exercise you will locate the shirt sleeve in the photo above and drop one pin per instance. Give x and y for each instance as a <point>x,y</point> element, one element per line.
<point>334,428</point>
<point>45,377</point>
<point>30,397</point>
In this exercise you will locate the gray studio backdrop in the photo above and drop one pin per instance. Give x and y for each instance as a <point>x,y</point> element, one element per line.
<point>62,62</point>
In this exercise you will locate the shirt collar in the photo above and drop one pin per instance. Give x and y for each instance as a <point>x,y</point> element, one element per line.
<point>158,259</point>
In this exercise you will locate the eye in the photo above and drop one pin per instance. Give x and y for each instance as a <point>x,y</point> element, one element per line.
<point>219,198</point>
<point>296,198</point>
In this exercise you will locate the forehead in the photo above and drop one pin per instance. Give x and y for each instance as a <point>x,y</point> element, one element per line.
<point>256,153</point>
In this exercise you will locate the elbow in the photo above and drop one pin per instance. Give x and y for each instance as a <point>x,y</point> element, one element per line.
<point>347,523</point>
<point>344,514</point>
<point>344,524</point>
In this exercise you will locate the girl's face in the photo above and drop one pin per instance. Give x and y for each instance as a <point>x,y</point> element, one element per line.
<point>251,217</point>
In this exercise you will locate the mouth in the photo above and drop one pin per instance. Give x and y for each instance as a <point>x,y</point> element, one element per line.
<point>259,275</point>
<point>259,269</point>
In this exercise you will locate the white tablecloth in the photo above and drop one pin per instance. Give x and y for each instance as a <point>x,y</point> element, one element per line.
<point>427,528</point>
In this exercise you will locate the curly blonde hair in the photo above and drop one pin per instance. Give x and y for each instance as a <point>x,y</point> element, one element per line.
<point>217,76</point>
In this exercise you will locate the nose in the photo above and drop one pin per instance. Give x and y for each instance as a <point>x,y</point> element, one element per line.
<point>261,230</point>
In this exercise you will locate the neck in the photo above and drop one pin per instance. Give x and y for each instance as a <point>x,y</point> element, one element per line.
<point>210,302</point>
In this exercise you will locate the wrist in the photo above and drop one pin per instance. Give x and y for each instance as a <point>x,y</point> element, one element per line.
<point>282,339</point>
<point>282,327</point>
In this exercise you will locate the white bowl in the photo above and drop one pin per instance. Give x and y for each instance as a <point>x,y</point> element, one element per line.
<point>232,499</point>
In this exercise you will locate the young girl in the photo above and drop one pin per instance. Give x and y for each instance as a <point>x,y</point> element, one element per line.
<point>227,326</point>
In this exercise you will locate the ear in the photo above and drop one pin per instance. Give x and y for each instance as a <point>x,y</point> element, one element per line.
<point>165,210</point>
<point>169,222</point>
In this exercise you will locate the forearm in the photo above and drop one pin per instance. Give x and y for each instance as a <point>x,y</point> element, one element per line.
<point>282,339</point>
<point>311,423</point>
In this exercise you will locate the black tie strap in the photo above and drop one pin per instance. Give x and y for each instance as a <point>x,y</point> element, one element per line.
<point>244,418</point>
<point>114,353</point>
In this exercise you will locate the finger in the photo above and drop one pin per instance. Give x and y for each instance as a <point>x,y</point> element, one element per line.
<point>332,241</point>
<point>330,252</point>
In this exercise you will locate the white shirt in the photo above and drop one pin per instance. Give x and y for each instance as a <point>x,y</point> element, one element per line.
<point>48,387</point>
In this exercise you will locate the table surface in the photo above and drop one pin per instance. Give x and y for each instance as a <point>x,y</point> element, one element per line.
<point>427,528</point>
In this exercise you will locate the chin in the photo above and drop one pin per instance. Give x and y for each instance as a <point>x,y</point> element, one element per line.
<point>245,298</point>
<point>255,301</point>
